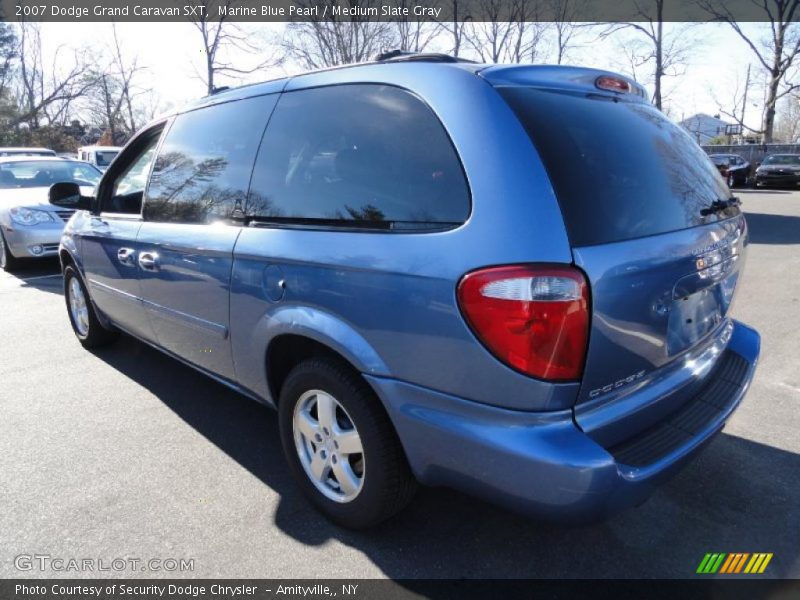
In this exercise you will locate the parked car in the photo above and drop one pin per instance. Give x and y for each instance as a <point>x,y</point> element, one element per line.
<point>26,152</point>
<point>99,156</point>
<point>437,272</point>
<point>779,170</point>
<point>734,169</point>
<point>30,227</point>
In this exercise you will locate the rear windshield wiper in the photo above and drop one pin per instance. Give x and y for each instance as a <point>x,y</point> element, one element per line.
<point>720,205</point>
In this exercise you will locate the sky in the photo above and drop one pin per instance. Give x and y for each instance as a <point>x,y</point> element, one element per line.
<point>172,53</point>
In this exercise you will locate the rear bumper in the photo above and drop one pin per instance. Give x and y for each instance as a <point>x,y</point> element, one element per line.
<point>542,464</point>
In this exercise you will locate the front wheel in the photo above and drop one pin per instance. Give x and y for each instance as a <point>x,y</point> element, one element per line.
<point>8,262</point>
<point>341,447</point>
<point>82,316</point>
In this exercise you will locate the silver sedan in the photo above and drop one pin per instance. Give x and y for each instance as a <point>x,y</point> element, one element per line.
<point>30,227</point>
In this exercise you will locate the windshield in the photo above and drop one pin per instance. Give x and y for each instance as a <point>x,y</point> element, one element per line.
<point>721,160</point>
<point>40,173</point>
<point>103,159</point>
<point>782,159</point>
<point>620,170</point>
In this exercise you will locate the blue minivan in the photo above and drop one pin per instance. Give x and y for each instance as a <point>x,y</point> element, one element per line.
<point>514,281</point>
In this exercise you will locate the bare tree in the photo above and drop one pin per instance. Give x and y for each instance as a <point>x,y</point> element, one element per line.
<point>456,28</point>
<point>112,103</point>
<point>776,53</point>
<point>508,31</point>
<point>221,37</point>
<point>787,122</point>
<point>46,93</point>
<point>736,106</point>
<point>565,25</point>
<point>127,71</point>
<point>667,52</point>
<point>332,41</point>
<point>414,36</point>
<point>105,107</point>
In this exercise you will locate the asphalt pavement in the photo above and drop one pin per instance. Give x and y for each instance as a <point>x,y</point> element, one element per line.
<point>124,453</point>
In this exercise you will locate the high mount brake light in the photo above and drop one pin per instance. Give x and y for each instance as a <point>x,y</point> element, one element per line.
<point>533,318</point>
<point>614,84</point>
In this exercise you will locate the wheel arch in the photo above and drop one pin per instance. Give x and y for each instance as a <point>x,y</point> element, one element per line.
<point>287,334</point>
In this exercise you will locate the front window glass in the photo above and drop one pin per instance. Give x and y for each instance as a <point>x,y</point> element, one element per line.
<point>128,189</point>
<point>203,168</point>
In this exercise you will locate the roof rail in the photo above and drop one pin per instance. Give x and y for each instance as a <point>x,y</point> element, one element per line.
<point>407,56</point>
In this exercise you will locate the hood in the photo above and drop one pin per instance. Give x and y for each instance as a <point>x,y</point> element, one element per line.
<point>35,197</point>
<point>779,168</point>
<point>32,197</point>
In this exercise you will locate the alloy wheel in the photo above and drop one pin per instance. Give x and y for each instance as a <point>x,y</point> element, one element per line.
<point>329,446</point>
<point>78,308</point>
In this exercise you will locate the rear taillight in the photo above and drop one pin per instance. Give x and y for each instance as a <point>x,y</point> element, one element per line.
<point>533,318</point>
<point>613,84</point>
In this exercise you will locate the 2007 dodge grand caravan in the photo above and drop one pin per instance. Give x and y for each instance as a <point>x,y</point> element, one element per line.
<point>510,280</point>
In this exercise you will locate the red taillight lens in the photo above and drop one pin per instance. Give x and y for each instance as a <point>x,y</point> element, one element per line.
<point>533,318</point>
<point>614,84</point>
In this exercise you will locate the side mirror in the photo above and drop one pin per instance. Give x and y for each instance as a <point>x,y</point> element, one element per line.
<point>68,195</point>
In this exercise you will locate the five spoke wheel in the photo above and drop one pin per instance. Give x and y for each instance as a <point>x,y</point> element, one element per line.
<point>78,307</point>
<point>328,445</point>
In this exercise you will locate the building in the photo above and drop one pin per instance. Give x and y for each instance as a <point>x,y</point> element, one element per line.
<point>704,127</point>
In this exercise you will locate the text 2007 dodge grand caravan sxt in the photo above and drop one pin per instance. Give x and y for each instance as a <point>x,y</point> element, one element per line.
<point>510,280</point>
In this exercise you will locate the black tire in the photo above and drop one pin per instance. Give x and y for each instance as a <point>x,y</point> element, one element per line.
<point>388,484</point>
<point>8,262</point>
<point>95,335</point>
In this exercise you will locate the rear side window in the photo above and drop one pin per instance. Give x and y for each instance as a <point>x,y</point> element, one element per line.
<point>620,170</point>
<point>203,168</point>
<point>367,156</point>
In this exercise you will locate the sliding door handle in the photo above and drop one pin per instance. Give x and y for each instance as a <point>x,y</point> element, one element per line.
<point>148,261</point>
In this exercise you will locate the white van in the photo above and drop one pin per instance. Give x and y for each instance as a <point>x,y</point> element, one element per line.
<point>99,156</point>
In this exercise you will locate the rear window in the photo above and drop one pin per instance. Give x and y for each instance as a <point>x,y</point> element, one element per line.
<point>104,158</point>
<point>620,170</point>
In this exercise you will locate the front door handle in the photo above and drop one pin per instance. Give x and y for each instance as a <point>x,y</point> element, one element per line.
<point>125,256</point>
<point>148,261</point>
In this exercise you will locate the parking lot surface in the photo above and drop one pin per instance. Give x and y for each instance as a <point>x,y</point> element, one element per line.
<point>126,453</point>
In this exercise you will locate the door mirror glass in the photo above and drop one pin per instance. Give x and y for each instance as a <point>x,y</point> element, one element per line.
<point>68,195</point>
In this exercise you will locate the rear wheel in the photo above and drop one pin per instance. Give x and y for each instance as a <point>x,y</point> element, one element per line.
<point>8,262</point>
<point>82,316</point>
<point>341,447</point>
